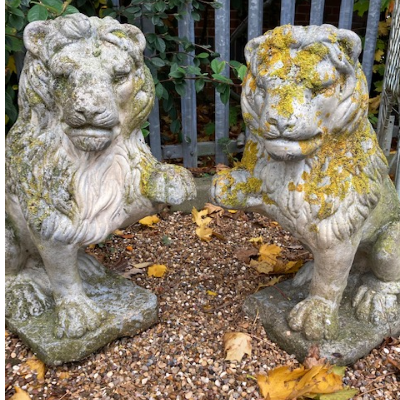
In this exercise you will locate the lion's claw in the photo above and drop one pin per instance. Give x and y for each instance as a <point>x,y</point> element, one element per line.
<point>376,307</point>
<point>77,316</point>
<point>317,318</point>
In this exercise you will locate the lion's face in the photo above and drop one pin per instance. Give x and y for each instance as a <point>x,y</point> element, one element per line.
<point>96,78</point>
<point>298,82</point>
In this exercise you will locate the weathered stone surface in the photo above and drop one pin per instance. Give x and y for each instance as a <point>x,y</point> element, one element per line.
<point>355,339</point>
<point>128,310</point>
<point>312,163</point>
<point>78,168</point>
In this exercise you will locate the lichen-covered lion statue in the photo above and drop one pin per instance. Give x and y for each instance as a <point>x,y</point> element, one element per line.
<point>312,163</point>
<point>77,166</point>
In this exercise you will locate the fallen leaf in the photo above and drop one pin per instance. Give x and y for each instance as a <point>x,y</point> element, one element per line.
<point>273,281</point>
<point>269,252</point>
<point>37,366</point>
<point>149,221</point>
<point>257,240</point>
<point>20,394</point>
<point>318,382</point>
<point>211,293</point>
<point>142,265</point>
<point>200,217</point>
<point>233,211</point>
<point>64,375</point>
<point>245,254</point>
<point>279,383</point>
<point>129,248</point>
<point>118,232</point>
<point>313,358</point>
<point>221,167</point>
<point>204,233</point>
<point>133,271</point>
<point>263,267</point>
<point>211,208</point>
<point>236,345</point>
<point>157,270</point>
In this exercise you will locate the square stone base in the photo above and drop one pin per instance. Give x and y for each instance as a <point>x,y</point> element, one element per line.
<point>131,310</point>
<point>356,338</point>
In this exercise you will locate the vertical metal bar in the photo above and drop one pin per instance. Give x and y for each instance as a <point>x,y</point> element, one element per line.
<point>154,117</point>
<point>287,12</point>
<point>370,39</point>
<point>116,7</point>
<point>255,19</point>
<point>317,12</point>
<point>188,101</point>
<point>222,40</point>
<point>346,14</point>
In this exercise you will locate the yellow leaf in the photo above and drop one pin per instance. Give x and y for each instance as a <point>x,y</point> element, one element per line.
<point>289,268</point>
<point>150,220</point>
<point>279,383</point>
<point>11,64</point>
<point>119,232</point>
<point>37,366</point>
<point>198,217</point>
<point>20,394</point>
<point>7,119</point>
<point>233,211</point>
<point>374,104</point>
<point>383,29</point>
<point>236,345</point>
<point>283,384</point>
<point>263,267</point>
<point>378,55</point>
<point>204,233</point>
<point>157,270</point>
<point>91,246</point>
<point>211,293</point>
<point>257,240</point>
<point>269,252</point>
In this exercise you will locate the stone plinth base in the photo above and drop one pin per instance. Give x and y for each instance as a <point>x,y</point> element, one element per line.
<point>356,338</point>
<point>130,308</point>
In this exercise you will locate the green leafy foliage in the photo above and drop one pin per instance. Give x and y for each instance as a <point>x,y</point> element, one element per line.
<point>167,54</point>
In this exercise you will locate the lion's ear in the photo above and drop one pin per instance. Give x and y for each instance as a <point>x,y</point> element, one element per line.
<point>35,36</point>
<point>350,43</point>
<point>136,35</point>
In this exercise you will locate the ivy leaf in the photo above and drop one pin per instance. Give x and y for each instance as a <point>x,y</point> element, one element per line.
<point>37,13</point>
<point>217,66</point>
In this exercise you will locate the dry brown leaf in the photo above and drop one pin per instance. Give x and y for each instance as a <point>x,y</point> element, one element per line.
<point>313,358</point>
<point>263,267</point>
<point>245,254</point>
<point>211,208</point>
<point>221,167</point>
<point>133,271</point>
<point>236,345</point>
<point>157,270</point>
<point>20,394</point>
<point>150,220</point>
<point>37,366</point>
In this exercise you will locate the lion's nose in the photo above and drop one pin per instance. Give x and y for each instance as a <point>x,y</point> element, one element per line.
<point>283,125</point>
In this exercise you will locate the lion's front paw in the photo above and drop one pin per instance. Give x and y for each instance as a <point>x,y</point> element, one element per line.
<point>170,184</point>
<point>316,317</point>
<point>377,305</point>
<point>236,189</point>
<point>77,316</point>
<point>23,299</point>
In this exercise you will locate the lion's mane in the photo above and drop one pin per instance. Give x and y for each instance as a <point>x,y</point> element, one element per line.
<point>328,195</point>
<point>62,190</point>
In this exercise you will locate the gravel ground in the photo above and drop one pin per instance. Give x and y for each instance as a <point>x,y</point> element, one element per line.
<point>182,357</point>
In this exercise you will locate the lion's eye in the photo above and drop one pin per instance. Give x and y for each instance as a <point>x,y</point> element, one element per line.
<point>120,76</point>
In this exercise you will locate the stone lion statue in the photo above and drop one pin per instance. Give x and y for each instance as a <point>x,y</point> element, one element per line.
<point>312,163</point>
<point>77,164</point>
